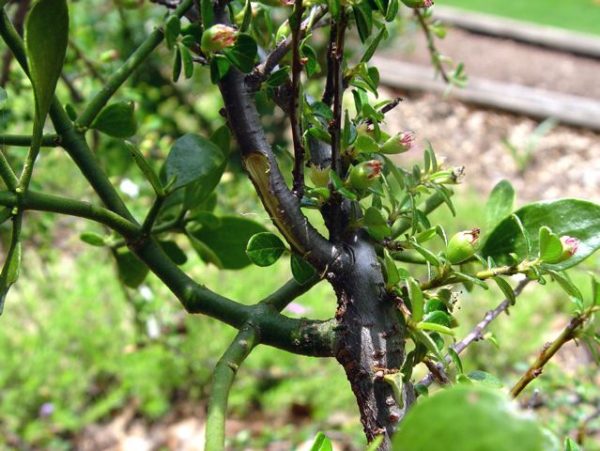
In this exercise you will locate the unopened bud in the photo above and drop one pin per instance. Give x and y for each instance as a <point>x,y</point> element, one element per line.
<point>418,3</point>
<point>462,246</point>
<point>218,37</point>
<point>569,248</point>
<point>399,143</point>
<point>319,176</point>
<point>364,174</point>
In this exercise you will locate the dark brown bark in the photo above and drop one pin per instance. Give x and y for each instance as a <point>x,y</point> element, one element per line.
<point>370,340</point>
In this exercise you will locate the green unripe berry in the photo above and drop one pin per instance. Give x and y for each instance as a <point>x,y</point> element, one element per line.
<point>364,174</point>
<point>462,246</point>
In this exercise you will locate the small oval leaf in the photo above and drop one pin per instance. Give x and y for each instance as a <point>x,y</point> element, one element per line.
<point>264,249</point>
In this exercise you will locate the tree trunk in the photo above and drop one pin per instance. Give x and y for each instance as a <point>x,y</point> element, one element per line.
<point>371,340</point>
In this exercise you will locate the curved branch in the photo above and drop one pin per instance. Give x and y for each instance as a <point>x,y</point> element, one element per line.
<point>228,365</point>
<point>32,200</point>
<point>25,140</point>
<point>261,165</point>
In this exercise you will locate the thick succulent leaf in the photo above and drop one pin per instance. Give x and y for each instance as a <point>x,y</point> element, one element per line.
<point>499,204</point>
<point>228,241</point>
<point>470,418</point>
<point>195,159</point>
<point>573,217</point>
<point>117,120</point>
<point>46,39</point>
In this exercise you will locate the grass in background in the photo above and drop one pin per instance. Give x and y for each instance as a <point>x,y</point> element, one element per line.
<point>576,15</point>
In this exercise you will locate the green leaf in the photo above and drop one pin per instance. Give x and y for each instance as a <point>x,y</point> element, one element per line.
<point>571,445</point>
<point>301,269</point>
<point>145,167</point>
<point>394,380</point>
<point>470,418</point>
<point>206,13</point>
<point>376,224</point>
<point>92,238</point>
<point>46,39</point>
<point>243,53</point>
<point>506,289</point>
<point>364,19</point>
<point>366,144</point>
<point>499,204</point>
<point>173,251</point>
<point>456,359</point>
<point>435,327</point>
<point>321,443</point>
<point>373,45</point>
<point>219,66</point>
<point>117,119</point>
<point>573,217</point>
<point>416,299</point>
<point>188,62</point>
<point>427,254</point>
<point>177,64</point>
<point>195,159</point>
<point>483,378</point>
<point>228,241</point>
<point>264,249</point>
<point>392,276</point>
<point>550,246</point>
<point>338,184</point>
<point>132,271</point>
<point>172,30</point>
<point>204,252</point>
<point>565,284</point>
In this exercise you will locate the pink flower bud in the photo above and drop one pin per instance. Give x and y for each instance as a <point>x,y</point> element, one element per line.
<point>418,3</point>
<point>570,246</point>
<point>217,38</point>
<point>399,143</point>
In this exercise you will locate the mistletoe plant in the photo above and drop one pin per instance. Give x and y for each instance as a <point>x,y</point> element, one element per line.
<point>396,276</point>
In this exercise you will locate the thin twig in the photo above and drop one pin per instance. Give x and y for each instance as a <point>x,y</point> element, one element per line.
<point>549,350</point>
<point>476,333</point>
<point>337,55</point>
<point>295,101</point>
<point>435,55</point>
<point>264,69</point>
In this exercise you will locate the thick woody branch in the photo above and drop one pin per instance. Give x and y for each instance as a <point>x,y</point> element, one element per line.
<point>261,165</point>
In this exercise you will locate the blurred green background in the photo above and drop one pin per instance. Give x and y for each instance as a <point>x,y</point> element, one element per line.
<point>77,347</point>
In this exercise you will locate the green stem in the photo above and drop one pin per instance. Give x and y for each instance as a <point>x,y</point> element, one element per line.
<point>32,200</point>
<point>7,174</point>
<point>152,215</point>
<point>227,366</point>
<point>25,140</point>
<point>122,74</point>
